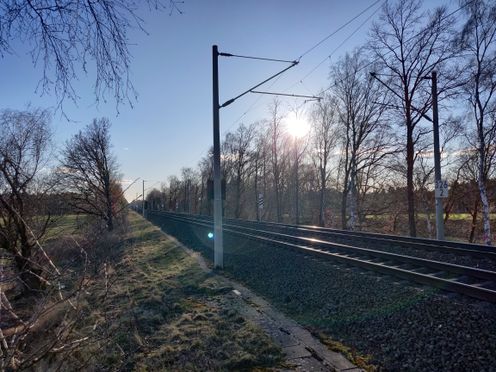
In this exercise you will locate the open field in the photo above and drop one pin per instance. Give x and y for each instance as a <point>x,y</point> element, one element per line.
<point>153,308</point>
<point>457,228</point>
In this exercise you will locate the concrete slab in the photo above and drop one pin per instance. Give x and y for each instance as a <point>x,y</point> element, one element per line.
<point>296,352</point>
<point>283,339</point>
<point>309,364</point>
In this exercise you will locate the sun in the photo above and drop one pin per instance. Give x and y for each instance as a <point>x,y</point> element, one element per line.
<point>296,125</point>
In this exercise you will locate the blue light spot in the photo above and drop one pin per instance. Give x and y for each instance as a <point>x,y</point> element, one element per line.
<point>210,235</point>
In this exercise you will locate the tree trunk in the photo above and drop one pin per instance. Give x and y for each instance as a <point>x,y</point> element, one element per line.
<point>409,181</point>
<point>474,222</point>
<point>486,223</point>
<point>108,202</point>
<point>297,189</point>
<point>257,208</point>
<point>264,167</point>
<point>347,166</point>
<point>202,193</point>
<point>29,275</point>
<point>237,210</point>
<point>278,201</point>
<point>428,219</point>
<point>481,182</point>
<point>322,198</point>
<point>344,199</point>
<point>352,194</point>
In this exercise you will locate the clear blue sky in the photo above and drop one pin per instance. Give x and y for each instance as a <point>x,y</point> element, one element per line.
<point>170,126</point>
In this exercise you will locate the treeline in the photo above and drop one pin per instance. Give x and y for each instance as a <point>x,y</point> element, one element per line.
<point>34,188</point>
<point>367,161</point>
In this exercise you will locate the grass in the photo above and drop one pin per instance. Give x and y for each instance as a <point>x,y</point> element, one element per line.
<point>361,361</point>
<point>421,216</point>
<point>162,312</point>
<point>62,226</point>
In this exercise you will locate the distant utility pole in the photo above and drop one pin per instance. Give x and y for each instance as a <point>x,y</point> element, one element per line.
<point>437,152</point>
<point>218,241</point>
<point>143,198</point>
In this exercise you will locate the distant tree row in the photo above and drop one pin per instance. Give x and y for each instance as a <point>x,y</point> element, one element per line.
<point>367,161</point>
<point>32,187</point>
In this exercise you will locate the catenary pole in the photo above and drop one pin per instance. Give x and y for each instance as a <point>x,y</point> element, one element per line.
<point>437,153</point>
<point>437,160</point>
<point>218,241</point>
<point>218,244</point>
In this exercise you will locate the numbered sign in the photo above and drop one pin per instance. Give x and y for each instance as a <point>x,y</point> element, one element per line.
<point>442,189</point>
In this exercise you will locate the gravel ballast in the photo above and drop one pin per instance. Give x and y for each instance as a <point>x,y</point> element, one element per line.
<point>401,325</point>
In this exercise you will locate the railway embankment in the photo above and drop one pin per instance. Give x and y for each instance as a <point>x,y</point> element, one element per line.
<point>400,325</point>
<point>151,308</point>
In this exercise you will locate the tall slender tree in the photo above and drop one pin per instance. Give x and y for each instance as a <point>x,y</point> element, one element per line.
<point>360,102</point>
<point>324,138</point>
<point>409,43</point>
<point>478,39</point>
<point>238,147</point>
<point>275,135</point>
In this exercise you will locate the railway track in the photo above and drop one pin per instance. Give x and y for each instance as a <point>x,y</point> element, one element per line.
<point>372,252</point>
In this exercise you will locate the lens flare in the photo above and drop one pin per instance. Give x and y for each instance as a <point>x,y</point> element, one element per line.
<point>296,125</point>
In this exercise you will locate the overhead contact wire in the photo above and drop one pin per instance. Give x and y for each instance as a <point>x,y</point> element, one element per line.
<point>339,29</point>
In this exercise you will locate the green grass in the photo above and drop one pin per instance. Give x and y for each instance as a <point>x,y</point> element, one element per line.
<point>467,217</point>
<point>62,226</point>
<point>162,312</point>
<point>453,216</point>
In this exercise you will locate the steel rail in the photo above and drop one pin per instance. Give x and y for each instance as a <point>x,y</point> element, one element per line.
<point>393,257</point>
<point>412,274</point>
<point>419,243</point>
<point>447,247</point>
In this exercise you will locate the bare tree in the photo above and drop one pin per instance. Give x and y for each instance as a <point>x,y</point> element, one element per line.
<point>324,136</point>
<point>478,38</point>
<point>450,131</point>
<point>63,36</point>
<point>361,104</point>
<point>89,170</point>
<point>190,190</point>
<point>155,199</point>
<point>275,135</point>
<point>467,191</point>
<point>24,145</point>
<point>238,146</point>
<point>206,173</point>
<point>259,164</point>
<point>409,44</point>
<point>174,191</point>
